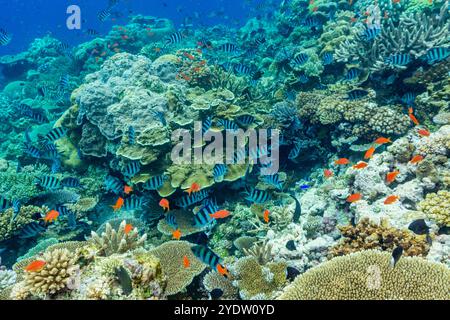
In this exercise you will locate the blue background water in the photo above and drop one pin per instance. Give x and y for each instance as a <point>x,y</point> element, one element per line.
<point>30,19</point>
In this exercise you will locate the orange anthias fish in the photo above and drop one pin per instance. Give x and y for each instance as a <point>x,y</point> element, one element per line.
<point>354,197</point>
<point>395,1</point>
<point>266,216</point>
<point>390,177</point>
<point>164,203</point>
<point>414,119</point>
<point>222,270</point>
<point>391,199</point>
<point>360,165</point>
<point>327,173</point>
<point>51,216</point>
<point>424,132</point>
<point>189,56</point>
<point>369,153</point>
<point>342,161</point>
<point>382,140</point>
<point>416,159</point>
<point>35,266</point>
<point>353,19</point>
<point>128,228</point>
<point>221,214</point>
<point>127,189</point>
<point>176,234</point>
<point>119,204</point>
<point>315,9</point>
<point>186,262</point>
<point>195,187</point>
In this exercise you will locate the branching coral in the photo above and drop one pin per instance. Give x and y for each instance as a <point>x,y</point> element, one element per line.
<point>368,235</point>
<point>368,275</point>
<point>262,252</point>
<point>116,241</point>
<point>437,207</point>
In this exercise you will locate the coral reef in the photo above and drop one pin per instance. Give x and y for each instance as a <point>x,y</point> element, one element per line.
<point>436,206</point>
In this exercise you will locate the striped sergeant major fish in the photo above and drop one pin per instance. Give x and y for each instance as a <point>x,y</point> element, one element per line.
<point>171,220</point>
<point>409,98</point>
<point>246,119</point>
<point>242,69</point>
<point>48,182</point>
<point>31,230</point>
<point>55,134</point>
<point>4,203</point>
<point>371,33</point>
<point>131,135</point>
<point>155,183</point>
<point>160,116</point>
<point>229,48</point>
<point>113,184</point>
<point>56,166</point>
<point>16,205</point>
<point>219,171</point>
<point>299,60</point>
<point>257,196</point>
<point>206,255</point>
<point>228,124</point>
<point>203,216</point>
<point>131,169</point>
<point>5,37</point>
<point>187,201</point>
<point>437,54</point>
<point>400,59</point>
<point>32,151</point>
<point>356,94</point>
<point>352,74</point>
<point>311,22</point>
<point>134,203</point>
<point>206,125</point>
<point>63,83</point>
<point>70,182</point>
<point>327,58</point>
<point>174,38</point>
<point>274,180</point>
<point>104,15</point>
<point>295,151</point>
<point>37,116</point>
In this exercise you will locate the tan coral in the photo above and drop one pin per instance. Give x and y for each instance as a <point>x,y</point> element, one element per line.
<point>437,207</point>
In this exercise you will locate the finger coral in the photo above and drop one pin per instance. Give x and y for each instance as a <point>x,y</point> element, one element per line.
<point>368,275</point>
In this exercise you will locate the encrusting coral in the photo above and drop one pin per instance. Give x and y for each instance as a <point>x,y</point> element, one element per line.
<point>369,275</point>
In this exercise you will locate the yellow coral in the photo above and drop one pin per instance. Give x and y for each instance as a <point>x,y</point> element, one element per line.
<point>437,207</point>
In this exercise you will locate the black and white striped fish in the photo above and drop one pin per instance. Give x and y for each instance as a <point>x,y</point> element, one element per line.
<point>206,255</point>
<point>371,33</point>
<point>299,60</point>
<point>174,38</point>
<point>401,59</point>
<point>64,82</point>
<point>228,124</point>
<point>63,210</point>
<point>134,203</point>
<point>4,203</point>
<point>161,117</point>
<point>92,32</point>
<point>274,180</point>
<point>131,135</point>
<point>155,183</point>
<point>48,182</point>
<point>257,196</point>
<point>242,69</point>
<point>352,74</point>
<point>303,78</point>
<point>219,171</point>
<point>71,182</point>
<point>187,201</point>
<point>32,151</point>
<point>131,169</point>
<point>295,151</point>
<point>104,15</point>
<point>356,94</point>
<point>245,119</point>
<point>229,48</point>
<point>312,22</point>
<point>5,37</point>
<point>56,166</point>
<point>114,184</point>
<point>203,216</point>
<point>327,58</point>
<point>16,205</point>
<point>31,230</point>
<point>437,54</point>
<point>37,116</point>
<point>409,98</point>
<point>206,125</point>
<point>50,154</point>
<point>55,134</point>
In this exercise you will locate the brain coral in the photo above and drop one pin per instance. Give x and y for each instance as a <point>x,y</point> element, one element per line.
<point>437,207</point>
<point>368,275</point>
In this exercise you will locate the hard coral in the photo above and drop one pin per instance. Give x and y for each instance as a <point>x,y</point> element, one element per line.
<point>437,207</point>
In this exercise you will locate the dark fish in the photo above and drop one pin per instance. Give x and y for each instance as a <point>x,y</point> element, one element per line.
<point>131,169</point>
<point>16,205</point>
<point>64,83</point>
<point>134,203</point>
<point>216,294</point>
<point>5,38</point>
<point>176,37</point>
<point>206,125</point>
<point>396,255</point>
<point>292,273</point>
<point>228,124</point>
<point>70,182</point>
<point>419,226</point>
<point>71,220</point>
<point>39,117</point>
<point>219,171</point>
<point>444,230</point>
<point>206,255</point>
<point>171,220</point>
<point>437,54</point>
<point>104,15</point>
<point>257,196</point>
<point>242,69</point>
<point>258,152</point>
<point>290,245</point>
<point>229,48</point>
<point>274,180</point>
<point>295,151</point>
<point>55,134</point>
<point>298,209</point>
<point>259,41</point>
<point>312,22</point>
<point>409,98</point>
<point>303,79</point>
<point>352,74</point>
<point>187,201</point>
<point>32,151</point>
<point>155,183</point>
<point>299,60</point>
<point>63,210</point>
<point>245,119</point>
<point>4,204</point>
<point>114,184</point>
<point>31,230</point>
<point>131,135</point>
<point>356,94</point>
<point>43,91</point>
<point>92,32</point>
<point>48,182</point>
<point>371,33</point>
<point>24,109</point>
<point>161,117</point>
<point>124,279</point>
<point>398,59</point>
<point>203,216</point>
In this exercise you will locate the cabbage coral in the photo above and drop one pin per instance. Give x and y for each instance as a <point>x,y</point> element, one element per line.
<point>368,275</point>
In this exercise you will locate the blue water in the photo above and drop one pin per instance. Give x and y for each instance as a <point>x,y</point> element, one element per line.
<point>27,20</point>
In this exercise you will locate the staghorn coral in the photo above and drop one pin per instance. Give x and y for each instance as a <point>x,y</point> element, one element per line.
<point>116,241</point>
<point>437,207</point>
<point>7,278</point>
<point>171,256</point>
<point>262,252</point>
<point>368,275</point>
<point>368,235</point>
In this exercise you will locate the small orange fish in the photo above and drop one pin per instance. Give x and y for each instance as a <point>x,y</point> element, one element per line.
<point>386,15</point>
<point>360,165</point>
<point>416,159</point>
<point>35,266</point>
<point>189,56</point>
<point>395,1</point>
<point>186,262</point>
<point>327,173</point>
<point>353,20</point>
<point>410,110</point>
<point>315,9</point>
<point>390,177</point>
<point>222,270</point>
<point>391,199</point>
<point>176,234</point>
<point>423,132</point>
<point>185,77</point>
<point>157,49</point>
<point>51,216</point>
<point>195,187</point>
<point>369,153</point>
<point>354,197</point>
<point>342,161</point>
<point>367,13</point>
<point>414,119</point>
<point>311,2</point>
<point>124,37</point>
<point>202,63</point>
<point>266,216</point>
<point>382,140</point>
<point>103,54</point>
<point>128,228</point>
<point>127,189</point>
<point>119,204</point>
<point>221,214</point>
<point>164,203</point>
